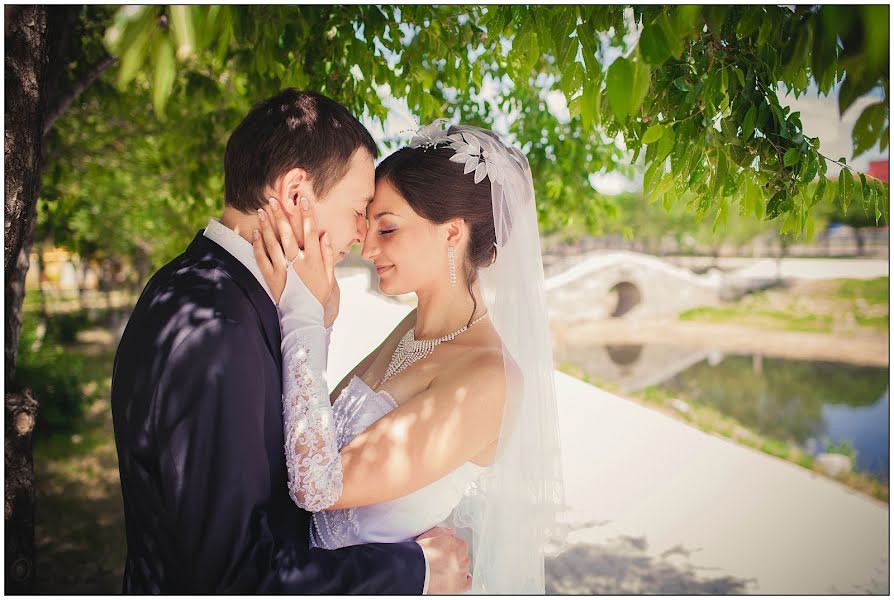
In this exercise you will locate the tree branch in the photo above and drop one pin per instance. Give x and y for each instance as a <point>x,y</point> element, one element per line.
<point>77,88</point>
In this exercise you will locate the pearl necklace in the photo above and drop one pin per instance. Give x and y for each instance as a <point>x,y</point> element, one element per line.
<point>409,350</point>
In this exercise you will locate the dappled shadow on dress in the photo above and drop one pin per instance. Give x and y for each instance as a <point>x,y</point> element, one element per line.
<point>623,566</point>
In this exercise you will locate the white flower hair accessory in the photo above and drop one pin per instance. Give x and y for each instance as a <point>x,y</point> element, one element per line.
<point>484,163</point>
<point>469,152</point>
<point>429,136</point>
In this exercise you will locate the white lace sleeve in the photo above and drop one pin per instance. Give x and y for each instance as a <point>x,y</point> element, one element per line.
<point>312,459</point>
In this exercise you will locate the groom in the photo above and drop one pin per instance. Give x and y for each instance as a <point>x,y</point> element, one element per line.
<point>197,388</point>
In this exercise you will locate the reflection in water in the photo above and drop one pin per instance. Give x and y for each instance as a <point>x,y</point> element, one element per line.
<point>867,428</point>
<point>624,355</point>
<point>801,402</point>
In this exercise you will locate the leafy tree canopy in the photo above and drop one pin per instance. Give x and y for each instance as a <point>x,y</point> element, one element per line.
<point>689,92</point>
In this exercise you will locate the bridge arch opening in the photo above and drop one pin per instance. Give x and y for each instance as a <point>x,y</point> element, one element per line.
<point>628,298</point>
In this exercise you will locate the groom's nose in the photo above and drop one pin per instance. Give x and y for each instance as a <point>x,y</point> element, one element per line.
<point>362,228</point>
<point>369,250</point>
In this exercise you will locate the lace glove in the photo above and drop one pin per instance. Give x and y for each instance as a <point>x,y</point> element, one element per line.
<point>312,459</point>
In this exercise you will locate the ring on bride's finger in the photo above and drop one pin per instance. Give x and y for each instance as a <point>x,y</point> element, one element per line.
<point>297,256</point>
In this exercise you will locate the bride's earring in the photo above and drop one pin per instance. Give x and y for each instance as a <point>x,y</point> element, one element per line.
<point>451,261</point>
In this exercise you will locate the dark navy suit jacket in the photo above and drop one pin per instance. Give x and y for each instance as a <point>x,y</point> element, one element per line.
<point>197,409</point>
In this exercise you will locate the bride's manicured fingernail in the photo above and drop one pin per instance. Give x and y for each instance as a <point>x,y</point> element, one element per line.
<point>274,205</point>
<point>262,215</point>
<point>305,203</point>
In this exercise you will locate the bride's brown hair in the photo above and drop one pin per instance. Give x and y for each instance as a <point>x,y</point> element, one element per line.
<point>438,191</point>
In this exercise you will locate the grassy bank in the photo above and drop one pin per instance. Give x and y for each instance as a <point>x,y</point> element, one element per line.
<point>832,306</point>
<point>79,520</point>
<point>712,421</point>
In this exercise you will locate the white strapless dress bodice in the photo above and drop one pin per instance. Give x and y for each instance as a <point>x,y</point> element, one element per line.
<point>398,520</point>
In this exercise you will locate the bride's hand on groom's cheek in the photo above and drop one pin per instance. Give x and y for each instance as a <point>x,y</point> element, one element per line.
<point>276,248</point>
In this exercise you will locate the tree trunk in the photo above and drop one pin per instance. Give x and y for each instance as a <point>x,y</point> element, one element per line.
<point>26,63</point>
<point>21,414</point>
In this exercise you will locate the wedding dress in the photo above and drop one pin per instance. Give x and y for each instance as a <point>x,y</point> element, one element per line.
<point>316,430</point>
<point>399,520</point>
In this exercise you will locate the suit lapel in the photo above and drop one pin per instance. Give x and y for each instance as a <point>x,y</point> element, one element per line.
<point>205,249</point>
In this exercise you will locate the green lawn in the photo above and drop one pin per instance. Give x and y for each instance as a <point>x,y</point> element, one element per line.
<point>838,305</point>
<point>79,520</point>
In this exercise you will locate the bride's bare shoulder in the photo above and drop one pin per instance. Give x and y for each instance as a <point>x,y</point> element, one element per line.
<point>479,369</point>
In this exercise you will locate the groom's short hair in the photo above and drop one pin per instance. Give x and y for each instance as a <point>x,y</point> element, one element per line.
<point>293,129</point>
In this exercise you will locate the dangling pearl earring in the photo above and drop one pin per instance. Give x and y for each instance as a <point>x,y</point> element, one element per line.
<point>451,261</point>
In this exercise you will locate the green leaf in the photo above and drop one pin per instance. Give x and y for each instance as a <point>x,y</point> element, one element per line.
<point>800,53</point>
<point>642,77</point>
<point>183,29</point>
<point>752,198</point>
<point>748,123</point>
<point>776,205</point>
<point>660,189</point>
<point>698,173</point>
<point>590,105</point>
<point>790,224</point>
<point>810,230</point>
<point>565,46</point>
<point>665,144</point>
<point>165,69</point>
<point>619,86</point>
<point>572,79</point>
<point>135,55</point>
<point>766,29</point>
<point>791,157</point>
<point>868,128</point>
<point>715,16</point>
<point>819,192</point>
<point>845,188</point>
<point>740,76</point>
<point>687,23</point>
<point>865,193</point>
<point>852,88</point>
<point>811,169</point>
<point>720,174</point>
<point>653,133</point>
<point>589,50</point>
<point>857,197</point>
<point>674,36</point>
<point>653,44</point>
<point>682,84</point>
<point>749,22</point>
<point>651,177</point>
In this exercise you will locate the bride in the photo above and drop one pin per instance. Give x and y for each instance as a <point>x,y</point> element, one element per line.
<point>451,420</point>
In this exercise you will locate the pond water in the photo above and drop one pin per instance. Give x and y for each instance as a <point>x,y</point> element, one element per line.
<point>811,404</point>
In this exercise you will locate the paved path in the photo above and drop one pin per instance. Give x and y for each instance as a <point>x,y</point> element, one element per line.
<point>657,506</point>
<point>665,508</point>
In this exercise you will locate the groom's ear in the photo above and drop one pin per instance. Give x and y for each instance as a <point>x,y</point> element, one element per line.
<point>294,184</point>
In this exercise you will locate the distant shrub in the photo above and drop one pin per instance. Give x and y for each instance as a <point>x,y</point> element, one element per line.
<point>64,327</point>
<point>52,373</point>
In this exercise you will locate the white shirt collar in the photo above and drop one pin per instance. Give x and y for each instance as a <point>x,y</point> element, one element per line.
<point>238,246</point>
